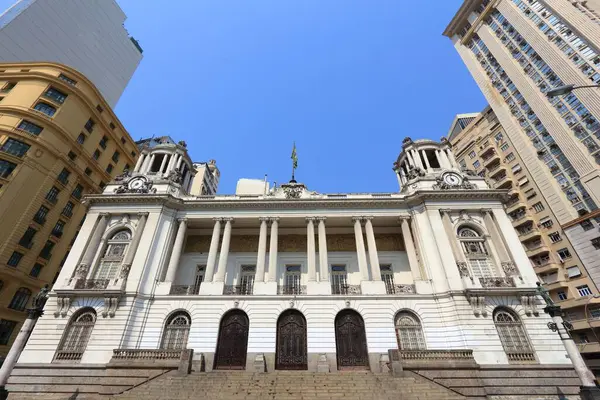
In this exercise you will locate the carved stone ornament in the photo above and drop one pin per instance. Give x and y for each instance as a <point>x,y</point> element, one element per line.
<point>292,303</point>
<point>478,304</point>
<point>347,303</point>
<point>407,141</point>
<point>529,303</point>
<point>509,268</point>
<point>125,175</point>
<point>62,306</point>
<point>81,271</point>
<point>499,282</point>
<point>236,303</point>
<point>293,190</point>
<point>463,269</point>
<point>124,271</point>
<point>175,176</point>
<point>110,306</point>
<point>137,184</point>
<point>464,184</point>
<point>414,173</point>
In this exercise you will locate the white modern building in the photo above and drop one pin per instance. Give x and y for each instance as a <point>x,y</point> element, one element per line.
<point>88,35</point>
<point>295,279</point>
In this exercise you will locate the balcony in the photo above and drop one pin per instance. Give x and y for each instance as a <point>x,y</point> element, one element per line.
<point>589,347</point>
<point>291,289</point>
<point>57,234</point>
<point>92,284</point>
<point>497,171</point>
<point>67,213</point>
<point>39,220</point>
<point>486,148</point>
<point>502,182</point>
<point>531,234</point>
<point>345,289</point>
<point>521,219</point>
<point>556,285</point>
<point>187,290</point>
<point>26,244</point>
<point>494,157</point>
<point>546,268</point>
<point>515,205</point>
<point>536,248</point>
<point>242,290</point>
<point>399,289</point>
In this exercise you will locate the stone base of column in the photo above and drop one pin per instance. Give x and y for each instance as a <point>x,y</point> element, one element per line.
<point>265,288</point>
<point>372,287</point>
<point>212,288</point>
<point>318,288</point>
<point>589,393</point>
<point>423,287</point>
<point>163,288</point>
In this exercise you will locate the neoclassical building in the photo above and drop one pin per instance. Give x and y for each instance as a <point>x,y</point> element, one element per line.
<point>296,279</point>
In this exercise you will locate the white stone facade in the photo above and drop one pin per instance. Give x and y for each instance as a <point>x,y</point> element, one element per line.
<point>441,248</point>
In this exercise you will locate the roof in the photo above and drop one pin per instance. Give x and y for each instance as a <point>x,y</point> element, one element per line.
<point>460,122</point>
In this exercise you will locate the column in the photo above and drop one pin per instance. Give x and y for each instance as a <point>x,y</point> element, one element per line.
<point>17,348</point>
<point>507,265</point>
<point>409,245</point>
<point>212,251</point>
<point>221,269</point>
<point>373,256</point>
<point>144,166</point>
<point>323,257</point>
<point>417,159</point>
<point>310,250</point>
<point>426,160</point>
<point>163,163</point>
<point>172,162</point>
<point>179,161</point>
<point>135,242</point>
<point>445,159</point>
<point>92,247</point>
<point>262,250</point>
<point>360,249</point>
<point>139,162</point>
<point>461,261</point>
<point>176,253</point>
<point>450,155</point>
<point>150,162</point>
<point>273,250</point>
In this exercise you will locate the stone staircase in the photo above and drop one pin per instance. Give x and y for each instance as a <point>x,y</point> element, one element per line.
<point>284,385</point>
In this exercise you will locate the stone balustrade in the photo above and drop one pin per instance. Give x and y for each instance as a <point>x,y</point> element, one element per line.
<point>427,355</point>
<point>184,290</point>
<point>147,354</point>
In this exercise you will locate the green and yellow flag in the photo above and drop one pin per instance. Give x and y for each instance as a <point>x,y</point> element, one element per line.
<point>294,157</point>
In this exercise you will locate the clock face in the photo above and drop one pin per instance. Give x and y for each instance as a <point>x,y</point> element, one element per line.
<point>137,183</point>
<point>452,179</point>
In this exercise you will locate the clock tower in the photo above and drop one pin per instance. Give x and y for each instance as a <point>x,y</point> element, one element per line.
<point>429,165</point>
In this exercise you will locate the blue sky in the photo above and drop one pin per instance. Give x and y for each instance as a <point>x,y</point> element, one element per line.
<point>239,81</point>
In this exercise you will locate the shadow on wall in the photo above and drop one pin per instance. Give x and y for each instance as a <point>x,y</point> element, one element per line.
<point>74,395</point>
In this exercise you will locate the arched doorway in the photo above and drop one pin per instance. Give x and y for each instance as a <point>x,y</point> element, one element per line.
<point>351,341</point>
<point>291,350</point>
<point>232,343</point>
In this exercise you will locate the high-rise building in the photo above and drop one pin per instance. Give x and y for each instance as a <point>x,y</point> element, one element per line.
<point>483,147</point>
<point>516,51</point>
<point>59,141</point>
<point>86,35</point>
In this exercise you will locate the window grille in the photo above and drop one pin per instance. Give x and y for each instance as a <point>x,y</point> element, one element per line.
<point>512,336</point>
<point>113,255</point>
<point>199,278</point>
<point>247,279</point>
<point>176,331</point>
<point>293,274</point>
<point>77,335</point>
<point>339,279</point>
<point>387,276</point>
<point>409,332</point>
<point>475,250</point>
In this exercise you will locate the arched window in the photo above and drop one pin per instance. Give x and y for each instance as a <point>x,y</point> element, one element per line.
<point>409,331</point>
<point>20,299</point>
<point>113,255</point>
<point>512,335</point>
<point>176,331</point>
<point>77,335</point>
<point>475,250</point>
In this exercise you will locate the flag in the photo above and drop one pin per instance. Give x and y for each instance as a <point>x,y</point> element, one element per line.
<point>294,157</point>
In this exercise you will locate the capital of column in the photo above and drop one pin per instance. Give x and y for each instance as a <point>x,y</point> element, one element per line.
<point>103,215</point>
<point>143,214</point>
<point>368,218</point>
<point>445,211</point>
<point>264,219</point>
<point>224,219</point>
<point>310,219</point>
<point>182,219</point>
<point>486,210</point>
<point>358,218</point>
<point>321,218</point>
<point>404,218</point>
<point>274,219</point>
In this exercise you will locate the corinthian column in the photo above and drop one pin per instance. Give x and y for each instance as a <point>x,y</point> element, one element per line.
<point>92,247</point>
<point>310,250</point>
<point>373,256</point>
<point>212,251</point>
<point>459,256</point>
<point>135,242</point>
<point>507,265</point>
<point>323,260</point>
<point>273,250</point>
<point>360,249</point>
<point>409,245</point>
<point>262,250</point>
<point>176,253</point>
<point>220,276</point>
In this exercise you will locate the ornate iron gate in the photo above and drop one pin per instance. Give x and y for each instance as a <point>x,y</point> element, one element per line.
<point>232,344</point>
<point>291,341</point>
<point>351,341</point>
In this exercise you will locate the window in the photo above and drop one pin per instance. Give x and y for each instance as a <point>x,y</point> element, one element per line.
<point>123,140</point>
<point>127,167</point>
<point>36,270</point>
<point>387,276</point>
<point>99,108</point>
<point>30,127</point>
<point>177,329</point>
<point>63,177</point>
<point>499,137</point>
<point>339,279</point>
<point>516,168</point>
<point>409,331</point>
<point>463,164</point>
<point>292,280</point>
<point>102,185</point>
<point>46,252</point>
<point>45,108</point>
<point>476,164</point>
<point>109,168</point>
<point>564,254</point>
<point>538,207</point>
<point>112,126</point>
<point>510,157</point>
<point>68,210</point>
<point>596,243</point>
<point>55,95</point>
<point>96,154</point>
<point>72,156</point>
<point>504,147</point>
<point>199,278</point>
<point>512,335</point>
<point>475,250</point>
<point>67,79</point>
<point>546,222</point>
<point>523,181</point>
<point>115,156</point>
<point>584,290</point>
<point>77,192</point>
<point>14,259</point>
<point>8,86</point>
<point>595,312</point>
<point>88,171</point>
<point>103,142</point>
<point>554,237</point>
<point>561,295</point>
<point>573,271</point>
<point>89,125</point>
<point>58,228</point>
<point>26,239</point>
<point>247,279</point>
<point>76,336</point>
<point>15,147</point>
<point>6,329</point>
<point>6,168</point>
<point>114,253</point>
<point>52,195</point>
<point>587,224</point>
<point>81,138</point>
<point>40,215</point>
<point>472,154</point>
<point>20,299</point>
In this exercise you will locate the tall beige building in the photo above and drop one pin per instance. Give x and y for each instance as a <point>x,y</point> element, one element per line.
<point>516,51</point>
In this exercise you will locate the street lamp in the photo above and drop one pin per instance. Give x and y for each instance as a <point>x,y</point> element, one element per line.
<point>566,89</point>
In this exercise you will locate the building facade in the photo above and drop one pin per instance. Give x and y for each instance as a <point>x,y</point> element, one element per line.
<point>295,279</point>
<point>86,35</point>
<point>59,141</point>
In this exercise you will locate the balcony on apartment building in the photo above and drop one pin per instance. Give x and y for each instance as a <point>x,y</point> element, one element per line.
<point>544,264</point>
<point>490,158</point>
<point>502,181</point>
<point>520,217</point>
<point>528,232</point>
<point>535,247</point>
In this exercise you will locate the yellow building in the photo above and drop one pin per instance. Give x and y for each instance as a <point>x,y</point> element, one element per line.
<point>59,140</point>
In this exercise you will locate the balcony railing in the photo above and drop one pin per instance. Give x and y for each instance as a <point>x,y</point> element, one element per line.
<point>68,355</point>
<point>39,220</point>
<point>291,289</point>
<point>243,290</point>
<point>497,282</point>
<point>521,356</point>
<point>430,355</point>
<point>27,245</point>
<point>92,284</point>
<point>345,289</point>
<point>184,289</point>
<point>147,354</point>
<point>398,289</point>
